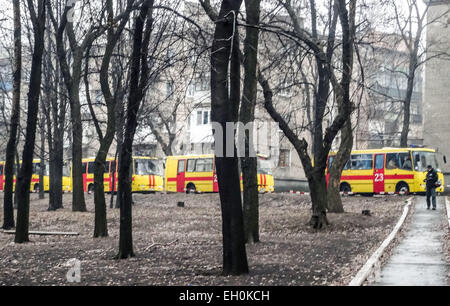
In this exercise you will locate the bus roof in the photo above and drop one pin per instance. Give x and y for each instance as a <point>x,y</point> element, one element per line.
<point>191,156</point>
<point>89,159</point>
<point>389,150</point>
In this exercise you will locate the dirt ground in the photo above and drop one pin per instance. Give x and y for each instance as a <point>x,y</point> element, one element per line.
<point>189,250</point>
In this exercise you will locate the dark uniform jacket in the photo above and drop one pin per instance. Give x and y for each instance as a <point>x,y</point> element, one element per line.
<point>432,178</point>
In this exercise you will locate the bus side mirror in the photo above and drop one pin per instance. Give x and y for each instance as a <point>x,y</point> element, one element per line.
<point>445,159</point>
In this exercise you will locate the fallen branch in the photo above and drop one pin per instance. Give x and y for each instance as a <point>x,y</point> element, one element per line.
<point>45,233</point>
<point>159,244</point>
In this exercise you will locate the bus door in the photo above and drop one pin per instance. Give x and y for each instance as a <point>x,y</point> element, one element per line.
<point>215,180</point>
<point>378,174</point>
<point>181,173</point>
<point>112,175</point>
<point>84,165</point>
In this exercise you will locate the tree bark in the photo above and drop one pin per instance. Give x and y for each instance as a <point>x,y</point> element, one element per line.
<point>100,229</point>
<point>11,147</point>
<point>407,102</point>
<point>345,148</point>
<point>26,170</point>
<point>138,81</point>
<point>225,96</point>
<point>247,115</point>
<point>42,163</point>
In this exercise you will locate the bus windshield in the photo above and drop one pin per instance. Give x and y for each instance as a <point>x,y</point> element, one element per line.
<point>146,167</point>
<point>66,169</point>
<point>264,167</point>
<point>37,169</point>
<point>423,159</point>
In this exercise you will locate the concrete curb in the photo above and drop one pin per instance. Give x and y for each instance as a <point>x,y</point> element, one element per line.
<point>374,261</point>
<point>447,207</point>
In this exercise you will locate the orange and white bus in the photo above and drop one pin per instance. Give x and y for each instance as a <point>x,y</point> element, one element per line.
<point>147,175</point>
<point>387,171</point>
<point>34,186</point>
<point>197,173</point>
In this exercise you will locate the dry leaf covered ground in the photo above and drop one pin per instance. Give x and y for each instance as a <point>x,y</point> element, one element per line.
<point>189,249</point>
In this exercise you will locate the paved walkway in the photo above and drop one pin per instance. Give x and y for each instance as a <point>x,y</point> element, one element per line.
<point>419,258</point>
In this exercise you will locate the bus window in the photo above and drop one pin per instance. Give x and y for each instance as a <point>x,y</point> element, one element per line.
<point>37,168</point>
<point>146,167</point>
<point>1,169</point>
<point>423,159</point>
<point>264,166</point>
<point>361,162</point>
<point>330,162</point>
<point>379,161</point>
<point>84,167</point>
<point>203,165</point>
<point>66,169</point>
<point>405,161</point>
<point>181,164</point>
<point>91,166</point>
<point>190,165</point>
<point>348,165</point>
<point>392,161</point>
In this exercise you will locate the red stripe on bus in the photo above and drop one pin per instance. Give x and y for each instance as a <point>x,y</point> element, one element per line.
<point>357,177</point>
<point>370,177</point>
<point>399,177</point>
<point>202,178</point>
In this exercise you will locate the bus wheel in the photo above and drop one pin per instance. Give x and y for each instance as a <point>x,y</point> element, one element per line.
<point>345,188</point>
<point>190,188</point>
<point>402,187</point>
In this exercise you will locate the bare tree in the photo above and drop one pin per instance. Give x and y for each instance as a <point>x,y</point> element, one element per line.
<point>143,24</point>
<point>72,77</point>
<point>26,170</point>
<point>346,145</point>
<point>113,36</point>
<point>247,115</point>
<point>412,29</point>
<point>8,209</point>
<point>323,140</point>
<point>225,98</point>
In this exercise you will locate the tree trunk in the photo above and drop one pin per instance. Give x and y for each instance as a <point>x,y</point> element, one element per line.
<point>318,187</point>
<point>56,137</point>
<point>407,102</point>
<point>78,201</point>
<point>224,108</point>
<point>335,171</point>
<point>26,170</point>
<point>138,80</point>
<point>42,162</point>
<point>247,115</point>
<point>105,142</point>
<point>345,148</point>
<point>100,228</point>
<point>113,173</point>
<point>72,83</point>
<point>8,207</point>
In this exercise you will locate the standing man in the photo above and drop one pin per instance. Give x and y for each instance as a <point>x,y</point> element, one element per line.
<point>431,180</point>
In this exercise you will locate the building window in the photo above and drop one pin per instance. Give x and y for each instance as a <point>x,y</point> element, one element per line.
<point>98,97</point>
<point>190,90</point>
<point>169,89</point>
<point>205,117</point>
<point>284,160</point>
<point>201,82</point>
<point>199,117</point>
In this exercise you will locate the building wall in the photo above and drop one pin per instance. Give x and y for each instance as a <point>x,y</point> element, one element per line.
<point>437,84</point>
